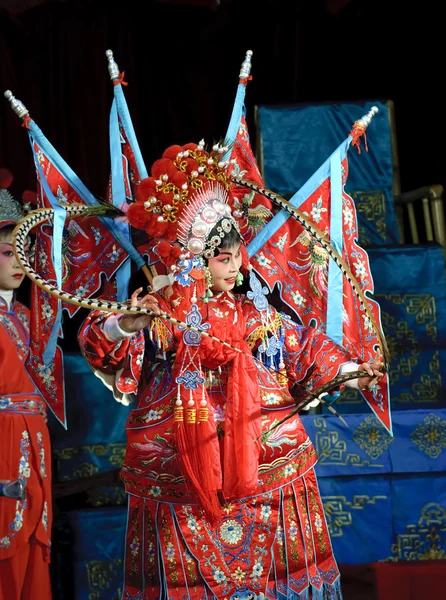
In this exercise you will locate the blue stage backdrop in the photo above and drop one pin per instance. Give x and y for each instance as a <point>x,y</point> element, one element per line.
<point>297,139</point>
<point>410,288</point>
<point>384,497</point>
<point>95,440</point>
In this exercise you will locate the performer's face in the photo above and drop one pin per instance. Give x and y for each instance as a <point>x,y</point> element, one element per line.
<point>224,268</point>
<point>11,275</point>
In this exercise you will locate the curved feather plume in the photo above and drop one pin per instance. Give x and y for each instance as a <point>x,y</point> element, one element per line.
<point>39,216</point>
<point>331,251</point>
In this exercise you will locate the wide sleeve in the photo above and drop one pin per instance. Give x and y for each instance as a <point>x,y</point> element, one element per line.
<point>117,363</point>
<point>311,358</point>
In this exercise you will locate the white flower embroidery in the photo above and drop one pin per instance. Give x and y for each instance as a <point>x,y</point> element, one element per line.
<point>263,261</point>
<point>5,402</point>
<point>317,209</point>
<point>292,340</point>
<point>265,512</point>
<point>45,373</point>
<point>271,399</point>
<point>257,569</point>
<point>155,491</point>
<point>219,576</point>
<point>367,323</point>
<point>231,532</point>
<point>153,415</point>
<point>82,291</point>
<point>47,311</point>
<point>114,254</point>
<point>360,270</point>
<point>289,470</point>
<point>348,216</point>
<point>298,299</point>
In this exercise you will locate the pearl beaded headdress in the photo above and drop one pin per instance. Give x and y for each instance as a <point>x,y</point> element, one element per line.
<point>208,209</point>
<point>187,196</point>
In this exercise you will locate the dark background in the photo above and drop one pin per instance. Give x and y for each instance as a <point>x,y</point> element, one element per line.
<point>182,59</point>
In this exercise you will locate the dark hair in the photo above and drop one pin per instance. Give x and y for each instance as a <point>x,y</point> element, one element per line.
<point>6,231</point>
<point>230,239</point>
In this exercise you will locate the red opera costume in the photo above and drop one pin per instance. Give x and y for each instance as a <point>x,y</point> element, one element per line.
<point>25,454</point>
<point>25,451</point>
<point>216,510</point>
<point>280,527</point>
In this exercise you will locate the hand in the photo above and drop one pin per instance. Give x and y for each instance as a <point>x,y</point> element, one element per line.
<point>373,369</point>
<point>133,323</point>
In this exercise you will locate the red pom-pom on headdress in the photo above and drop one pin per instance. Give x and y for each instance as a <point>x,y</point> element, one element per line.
<point>162,198</point>
<point>6,178</point>
<point>30,197</point>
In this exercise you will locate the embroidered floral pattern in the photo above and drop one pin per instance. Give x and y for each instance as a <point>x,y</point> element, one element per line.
<point>45,516</point>
<point>5,403</point>
<point>169,549</point>
<point>231,532</point>
<point>33,407</point>
<point>134,546</point>
<point>7,320</point>
<point>21,505</point>
<point>42,466</point>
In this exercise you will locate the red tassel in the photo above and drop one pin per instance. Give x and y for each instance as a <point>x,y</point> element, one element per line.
<point>26,120</point>
<point>120,79</point>
<point>196,449</point>
<point>357,132</point>
<point>244,80</point>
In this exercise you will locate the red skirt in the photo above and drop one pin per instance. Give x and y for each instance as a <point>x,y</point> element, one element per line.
<point>273,546</point>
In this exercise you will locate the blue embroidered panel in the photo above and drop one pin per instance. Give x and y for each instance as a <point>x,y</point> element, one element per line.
<point>297,139</point>
<point>384,498</point>
<point>95,439</point>
<point>410,287</point>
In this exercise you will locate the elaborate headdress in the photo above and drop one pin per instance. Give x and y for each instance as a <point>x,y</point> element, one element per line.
<point>186,197</point>
<point>11,210</point>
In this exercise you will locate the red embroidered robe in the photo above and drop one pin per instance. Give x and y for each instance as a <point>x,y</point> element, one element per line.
<point>271,543</point>
<point>25,451</point>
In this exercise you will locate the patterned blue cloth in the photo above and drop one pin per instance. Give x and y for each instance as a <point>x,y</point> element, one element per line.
<point>90,560</point>
<point>384,498</point>
<point>410,287</point>
<point>297,139</point>
<point>95,439</point>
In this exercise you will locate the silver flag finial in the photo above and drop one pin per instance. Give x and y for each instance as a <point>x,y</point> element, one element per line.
<point>366,119</point>
<point>18,107</point>
<point>245,69</point>
<point>113,68</point>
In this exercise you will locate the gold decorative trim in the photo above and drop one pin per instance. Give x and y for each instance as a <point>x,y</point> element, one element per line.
<point>430,436</point>
<point>425,540</point>
<point>371,437</point>
<point>337,511</point>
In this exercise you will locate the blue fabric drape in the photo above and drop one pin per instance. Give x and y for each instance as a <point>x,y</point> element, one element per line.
<point>410,288</point>
<point>95,440</point>
<point>297,139</point>
<point>384,498</point>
